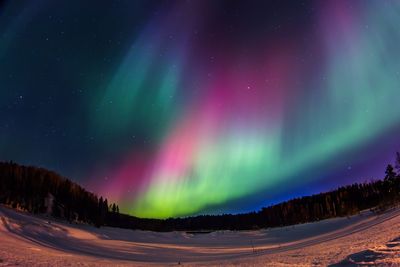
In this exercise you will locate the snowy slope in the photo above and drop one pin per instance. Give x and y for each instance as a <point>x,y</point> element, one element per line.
<point>28,240</point>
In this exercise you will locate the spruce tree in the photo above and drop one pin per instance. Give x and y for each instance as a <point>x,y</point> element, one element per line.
<point>397,164</point>
<point>390,173</point>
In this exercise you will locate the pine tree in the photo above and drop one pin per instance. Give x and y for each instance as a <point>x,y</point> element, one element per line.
<point>390,173</point>
<point>397,165</point>
<point>114,208</point>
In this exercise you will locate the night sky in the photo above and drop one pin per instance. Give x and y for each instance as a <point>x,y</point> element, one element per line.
<point>176,108</point>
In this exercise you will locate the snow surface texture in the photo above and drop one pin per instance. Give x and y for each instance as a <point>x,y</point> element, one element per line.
<point>364,239</point>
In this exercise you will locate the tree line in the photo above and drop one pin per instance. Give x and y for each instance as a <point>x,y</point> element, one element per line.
<point>28,188</point>
<point>31,188</point>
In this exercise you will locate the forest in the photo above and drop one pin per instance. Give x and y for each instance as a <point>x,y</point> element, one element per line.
<point>40,191</point>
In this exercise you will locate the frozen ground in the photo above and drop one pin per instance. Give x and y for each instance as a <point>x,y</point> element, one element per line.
<point>364,239</point>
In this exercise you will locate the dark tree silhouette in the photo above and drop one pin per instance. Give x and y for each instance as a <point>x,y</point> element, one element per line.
<point>397,164</point>
<point>390,173</point>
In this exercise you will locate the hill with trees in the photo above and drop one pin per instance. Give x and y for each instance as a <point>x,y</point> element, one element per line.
<point>31,189</point>
<point>38,190</point>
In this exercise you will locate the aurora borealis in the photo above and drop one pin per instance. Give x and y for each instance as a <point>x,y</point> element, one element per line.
<point>175,108</point>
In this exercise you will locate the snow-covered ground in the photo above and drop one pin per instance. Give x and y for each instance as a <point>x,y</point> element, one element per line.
<point>27,240</point>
